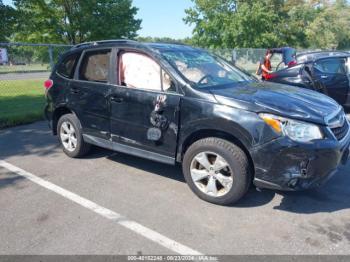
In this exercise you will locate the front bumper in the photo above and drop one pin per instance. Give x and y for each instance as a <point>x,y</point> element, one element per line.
<point>283,164</point>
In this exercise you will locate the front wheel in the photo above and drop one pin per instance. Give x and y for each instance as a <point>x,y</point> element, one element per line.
<point>217,170</point>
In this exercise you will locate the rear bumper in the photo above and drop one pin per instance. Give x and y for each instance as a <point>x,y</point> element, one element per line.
<point>286,165</point>
<point>48,115</point>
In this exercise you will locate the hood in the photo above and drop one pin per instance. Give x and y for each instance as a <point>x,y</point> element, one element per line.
<point>283,100</point>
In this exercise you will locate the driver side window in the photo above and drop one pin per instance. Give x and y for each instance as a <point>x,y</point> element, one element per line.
<point>139,71</point>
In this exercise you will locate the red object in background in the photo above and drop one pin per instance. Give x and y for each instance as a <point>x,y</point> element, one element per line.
<point>48,84</point>
<point>292,63</point>
<point>270,76</point>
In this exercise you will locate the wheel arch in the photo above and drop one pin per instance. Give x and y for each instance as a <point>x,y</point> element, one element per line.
<point>57,114</point>
<point>205,133</point>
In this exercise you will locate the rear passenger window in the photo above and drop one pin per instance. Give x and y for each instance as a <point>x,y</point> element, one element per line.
<point>95,66</point>
<point>67,67</point>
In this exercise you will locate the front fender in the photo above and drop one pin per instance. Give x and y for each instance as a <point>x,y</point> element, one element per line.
<point>245,126</point>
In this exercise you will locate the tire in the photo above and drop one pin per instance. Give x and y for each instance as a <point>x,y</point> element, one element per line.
<point>71,122</point>
<point>219,153</point>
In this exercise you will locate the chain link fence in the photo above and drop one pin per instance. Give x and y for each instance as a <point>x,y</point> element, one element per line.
<point>248,58</point>
<point>23,69</point>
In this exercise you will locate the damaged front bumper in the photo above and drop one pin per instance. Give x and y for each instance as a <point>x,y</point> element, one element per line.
<point>283,164</point>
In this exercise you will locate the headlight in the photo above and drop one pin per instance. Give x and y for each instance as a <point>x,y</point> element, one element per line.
<point>295,130</point>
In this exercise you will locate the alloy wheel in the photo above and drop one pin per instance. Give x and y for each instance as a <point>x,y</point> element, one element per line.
<point>68,136</point>
<point>211,174</point>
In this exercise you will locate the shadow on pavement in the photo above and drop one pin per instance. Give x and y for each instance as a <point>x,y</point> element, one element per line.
<point>254,198</point>
<point>333,196</point>
<point>8,179</point>
<point>172,172</point>
<point>33,139</point>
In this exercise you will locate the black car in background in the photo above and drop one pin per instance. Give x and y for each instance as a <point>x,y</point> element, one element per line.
<point>178,104</point>
<point>324,72</point>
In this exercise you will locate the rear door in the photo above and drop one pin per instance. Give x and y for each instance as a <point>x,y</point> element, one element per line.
<point>145,107</point>
<point>88,92</point>
<point>331,76</point>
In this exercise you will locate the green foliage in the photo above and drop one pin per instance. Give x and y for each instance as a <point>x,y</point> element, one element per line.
<point>268,23</point>
<point>231,23</point>
<point>21,101</point>
<point>217,23</point>
<point>254,26</point>
<point>149,39</point>
<point>75,21</point>
<point>331,28</point>
<point>8,16</point>
<point>297,18</point>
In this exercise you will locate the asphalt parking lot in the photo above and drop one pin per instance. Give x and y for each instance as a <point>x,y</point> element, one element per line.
<point>51,204</point>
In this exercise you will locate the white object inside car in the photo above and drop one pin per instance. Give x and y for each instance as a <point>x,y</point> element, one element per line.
<point>140,71</point>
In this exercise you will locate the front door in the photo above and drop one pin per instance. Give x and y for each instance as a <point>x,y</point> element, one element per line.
<point>330,77</point>
<point>144,106</point>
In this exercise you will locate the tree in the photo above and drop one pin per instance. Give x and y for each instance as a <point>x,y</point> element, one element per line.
<point>331,28</point>
<point>296,16</point>
<point>210,18</point>
<point>8,18</point>
<point>75,21</point>
<point>254,25</point>
<point>150,39</point>
<point>269,23</point>
<point>235,23</point>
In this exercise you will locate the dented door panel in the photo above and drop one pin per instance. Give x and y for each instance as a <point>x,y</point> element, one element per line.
<point>145,119</point>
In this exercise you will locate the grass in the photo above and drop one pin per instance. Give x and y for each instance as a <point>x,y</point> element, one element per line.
<point>24,68</point>
<point>21,101</point>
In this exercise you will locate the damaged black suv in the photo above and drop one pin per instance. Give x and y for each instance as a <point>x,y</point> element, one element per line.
<point>175,103</point>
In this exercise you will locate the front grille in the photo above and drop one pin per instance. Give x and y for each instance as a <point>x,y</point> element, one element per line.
<point>340,132</point>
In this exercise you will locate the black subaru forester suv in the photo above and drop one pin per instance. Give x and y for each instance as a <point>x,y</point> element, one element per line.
<point>178,104</point>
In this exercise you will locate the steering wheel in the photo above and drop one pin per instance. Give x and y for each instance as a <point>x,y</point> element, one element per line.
<point>203,78</point>
<point>278,66</point>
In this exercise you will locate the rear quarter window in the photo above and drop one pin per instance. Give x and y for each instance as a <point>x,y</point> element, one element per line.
<point>67,67</point>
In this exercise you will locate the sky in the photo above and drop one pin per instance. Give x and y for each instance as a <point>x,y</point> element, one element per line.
<point>160,18</point>
<point>163,18</point>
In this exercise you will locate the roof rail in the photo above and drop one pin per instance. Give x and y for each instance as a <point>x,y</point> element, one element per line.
<point>95,43</point>
<point>322,52</point>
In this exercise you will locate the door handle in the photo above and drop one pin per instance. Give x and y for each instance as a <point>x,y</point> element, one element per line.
<point>307,81</point>
<point>74,90</point>
<point>116,99</point>
<point>324,77</point>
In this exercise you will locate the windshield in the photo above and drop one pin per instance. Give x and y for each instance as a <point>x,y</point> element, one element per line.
<point>203,69</point>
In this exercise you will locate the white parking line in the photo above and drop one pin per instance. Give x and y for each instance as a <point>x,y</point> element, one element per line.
<point>105,212</point>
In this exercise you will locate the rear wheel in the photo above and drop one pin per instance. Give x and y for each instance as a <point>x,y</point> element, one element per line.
<point>217,170</point>
<point>70,136</point>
